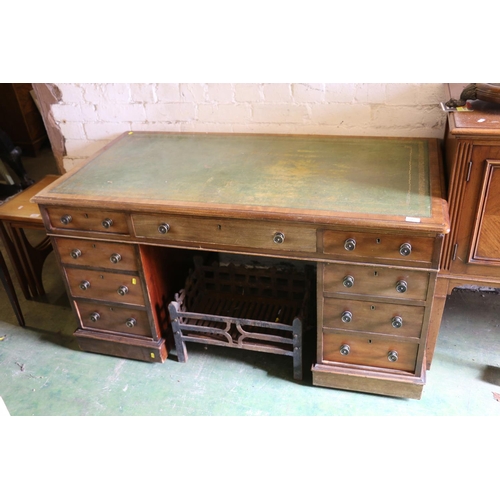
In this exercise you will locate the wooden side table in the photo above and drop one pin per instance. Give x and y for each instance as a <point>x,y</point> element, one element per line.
<point>16,215</point>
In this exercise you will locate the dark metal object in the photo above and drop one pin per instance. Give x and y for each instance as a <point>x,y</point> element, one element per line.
<point>11,155</point>
<point>346,316</point>
<point>348,281</point>
<point>107,223</point>
<point>76,253</point>
<point>405,249</point>
<point>122,290</point>
<point>345,349</point>
<point>248,308</point>
<point>278,238</point>
<point>401,286</point>
<point>397,322</point>
<point>66,219</point>
<point>163,228</point>
<point>131,322</point>
<point>392,356</point>
<point>94,316</point>
<point>483,91</point>
<point>85,285</point>
<point>350,244</point>
<point>115,258</point>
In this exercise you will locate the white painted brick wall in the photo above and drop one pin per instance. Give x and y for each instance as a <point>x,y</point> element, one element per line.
<point>91,115</point>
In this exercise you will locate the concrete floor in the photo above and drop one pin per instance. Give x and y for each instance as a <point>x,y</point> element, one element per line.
<point>42,371</point>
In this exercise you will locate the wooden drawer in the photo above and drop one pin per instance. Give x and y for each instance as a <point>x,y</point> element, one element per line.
<point>116,256</point>
<point>101,221</point>
<point>376,281</point>
<point>118,319</point>
<point>391,319</point>
<point>105,286</point>
<point>228,232</point>
<point>367,351</point>
<point>378,246</point>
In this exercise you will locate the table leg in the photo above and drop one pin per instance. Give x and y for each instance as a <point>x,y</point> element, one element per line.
<point>14,257</point>
<point>11,292</point>
<point>34,257</point>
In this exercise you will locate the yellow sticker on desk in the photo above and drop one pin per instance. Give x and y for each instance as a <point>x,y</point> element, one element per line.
<point>153,355</point>
<point>134,281</point>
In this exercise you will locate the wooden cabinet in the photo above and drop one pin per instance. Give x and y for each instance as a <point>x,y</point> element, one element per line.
<point>368,213</point>
<point>20,118</point>
<point>471,253</point>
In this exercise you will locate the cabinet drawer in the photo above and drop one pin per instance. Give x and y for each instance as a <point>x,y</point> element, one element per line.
<point>118,319</point>
<point>376,281</point>
<point>363,316</point>
<point>88,220</point>
<point>350,244</point>
<point>264,235</point>
<point>366,351</point>
<point>114,287</point>
<point>97,254</point>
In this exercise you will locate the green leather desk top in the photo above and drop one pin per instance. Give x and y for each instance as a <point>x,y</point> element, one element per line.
<point>323,174</point>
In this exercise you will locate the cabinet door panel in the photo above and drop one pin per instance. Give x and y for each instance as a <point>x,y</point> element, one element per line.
<point>472,205</point>
<point>486,245</point>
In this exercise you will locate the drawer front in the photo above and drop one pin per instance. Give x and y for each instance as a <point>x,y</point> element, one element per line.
<point>367,351</point>
<point>349,244</point>
<point>113,287</point>
<point>88,220</point>
<point>89,253</point>
<point>271,236</point>
<point>114,318</point>
<point>376,281</point>
<point>362,316</point>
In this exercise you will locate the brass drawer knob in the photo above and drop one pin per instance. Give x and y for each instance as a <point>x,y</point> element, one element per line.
<point>122,290</point>
<point>392,356</point>
<point>405,249</point>
<point>85,285</point>
<point>278,238</point>
<point>397,322</point>
<point>76,253</point>
<point>344,349</point>
<point>107,223</point>
<point>115,258</point>
<point>163,228</point>
<point>131,322</point>
<point>94,316</point>
<point>346,316</point>
<point>401,286</point>
<point>66,219</point>
<point>350,244</point>
<point>348,281</point>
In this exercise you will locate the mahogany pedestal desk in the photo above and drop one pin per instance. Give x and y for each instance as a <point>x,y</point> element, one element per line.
<point>471,251</point>
<point>16,215</point>
<point>368,213</point>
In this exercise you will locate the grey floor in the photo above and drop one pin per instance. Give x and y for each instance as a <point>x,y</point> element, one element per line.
<point>42,371</point>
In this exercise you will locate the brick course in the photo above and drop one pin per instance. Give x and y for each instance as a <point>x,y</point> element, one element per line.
<point>92,114</point>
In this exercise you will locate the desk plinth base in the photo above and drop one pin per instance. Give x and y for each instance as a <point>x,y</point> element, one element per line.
<point>366,380</point>
<point>153,351</point>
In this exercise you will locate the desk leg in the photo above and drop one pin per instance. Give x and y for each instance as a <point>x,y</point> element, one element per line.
<point>441,293</point>
<point>14,257</point>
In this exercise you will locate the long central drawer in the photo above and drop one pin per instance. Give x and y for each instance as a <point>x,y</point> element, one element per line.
<point>265,235</point>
